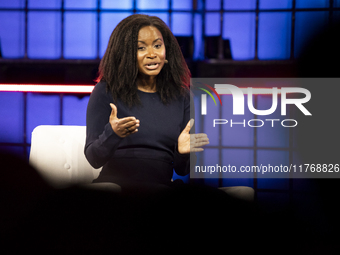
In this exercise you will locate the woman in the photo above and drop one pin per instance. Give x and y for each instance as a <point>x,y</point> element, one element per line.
<point>138,115</point>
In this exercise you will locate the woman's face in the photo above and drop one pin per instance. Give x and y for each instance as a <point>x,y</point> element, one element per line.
<point>150,51</point>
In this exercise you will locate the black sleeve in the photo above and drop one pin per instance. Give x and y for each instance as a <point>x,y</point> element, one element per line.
<point>182,161</point>
<point>101,140</point>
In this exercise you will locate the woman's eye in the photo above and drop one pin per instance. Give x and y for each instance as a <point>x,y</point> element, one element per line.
<point>140,48</point>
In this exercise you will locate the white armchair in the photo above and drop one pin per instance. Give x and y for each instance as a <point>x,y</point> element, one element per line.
<point>57,153</point>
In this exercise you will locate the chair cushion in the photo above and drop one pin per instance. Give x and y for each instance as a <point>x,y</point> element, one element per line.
<point>57,152</point>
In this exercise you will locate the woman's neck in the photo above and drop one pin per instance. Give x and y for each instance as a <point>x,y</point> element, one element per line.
<point>147,84</point>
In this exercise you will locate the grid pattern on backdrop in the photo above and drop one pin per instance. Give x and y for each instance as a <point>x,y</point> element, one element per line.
<point>257,29</point>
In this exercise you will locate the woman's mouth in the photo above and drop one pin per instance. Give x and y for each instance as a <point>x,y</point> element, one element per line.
<point>152,66</point>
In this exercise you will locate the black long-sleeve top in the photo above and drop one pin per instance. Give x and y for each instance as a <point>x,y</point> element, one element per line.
<point>148,156</point>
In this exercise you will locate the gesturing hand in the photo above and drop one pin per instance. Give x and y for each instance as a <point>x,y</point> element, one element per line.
<point>125,126</point>
<point>191,142</point>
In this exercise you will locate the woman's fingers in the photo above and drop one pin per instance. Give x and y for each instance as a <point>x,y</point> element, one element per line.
<point>198,138</point>
<point>113,111</point>
<point>126,120</point>
<point>197,141</point>
<point>124,126</point>
<point>196,149</point>
<point>128,125</point>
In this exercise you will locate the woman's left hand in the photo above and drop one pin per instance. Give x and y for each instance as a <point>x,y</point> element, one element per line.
<point>191,142</point>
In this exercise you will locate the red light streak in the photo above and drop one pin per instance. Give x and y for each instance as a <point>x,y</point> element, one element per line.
<point>46,88</point>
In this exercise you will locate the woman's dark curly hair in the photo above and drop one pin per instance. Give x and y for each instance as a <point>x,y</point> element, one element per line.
<point>119,68</point>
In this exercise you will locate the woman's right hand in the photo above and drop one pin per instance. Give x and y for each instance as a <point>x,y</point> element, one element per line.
<point>125,126</point>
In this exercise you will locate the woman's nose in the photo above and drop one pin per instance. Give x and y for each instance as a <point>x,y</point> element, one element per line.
<point>151,53</point>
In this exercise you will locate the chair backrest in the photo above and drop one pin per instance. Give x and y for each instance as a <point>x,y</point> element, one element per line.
<point>57,152</point>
